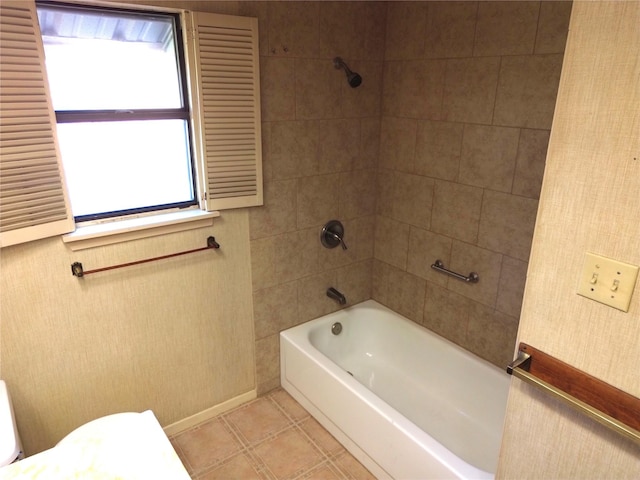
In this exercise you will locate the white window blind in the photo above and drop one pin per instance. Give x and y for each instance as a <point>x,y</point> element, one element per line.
<point>227,111</point>
<point>33,200</point>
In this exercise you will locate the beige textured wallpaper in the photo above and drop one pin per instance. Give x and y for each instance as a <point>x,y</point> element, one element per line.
<point>590,202</point>
<point>174,336</point>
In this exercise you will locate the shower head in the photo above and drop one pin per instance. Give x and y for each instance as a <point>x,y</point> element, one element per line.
<point>353,78</point>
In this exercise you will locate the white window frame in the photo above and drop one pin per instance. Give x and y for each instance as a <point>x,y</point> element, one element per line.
<point>225,108</point>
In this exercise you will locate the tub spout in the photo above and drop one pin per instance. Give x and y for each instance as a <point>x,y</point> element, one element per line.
<point>336,295</point>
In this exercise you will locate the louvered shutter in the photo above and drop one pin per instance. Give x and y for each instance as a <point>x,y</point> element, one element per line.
<point>33,199</point>
<point>226,85</point>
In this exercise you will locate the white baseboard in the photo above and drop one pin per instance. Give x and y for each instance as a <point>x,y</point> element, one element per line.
<point>209,413</point>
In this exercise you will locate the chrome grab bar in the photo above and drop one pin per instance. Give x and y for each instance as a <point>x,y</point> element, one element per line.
<point>472,278</point>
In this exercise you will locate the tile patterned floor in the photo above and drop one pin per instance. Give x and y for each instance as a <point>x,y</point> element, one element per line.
<point>270,438</point>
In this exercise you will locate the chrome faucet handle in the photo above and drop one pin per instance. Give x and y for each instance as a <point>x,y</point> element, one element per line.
<point>331,235</point>
<point>339,238</point>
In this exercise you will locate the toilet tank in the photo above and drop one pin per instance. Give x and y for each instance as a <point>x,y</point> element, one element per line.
<point>10,448</point>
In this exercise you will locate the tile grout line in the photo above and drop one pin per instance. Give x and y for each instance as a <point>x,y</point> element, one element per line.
<point>323,459</point>
<point>329,458</point>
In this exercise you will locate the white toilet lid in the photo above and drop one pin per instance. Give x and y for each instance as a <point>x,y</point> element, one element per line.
<point>124,445</point>
<point>102,427</point>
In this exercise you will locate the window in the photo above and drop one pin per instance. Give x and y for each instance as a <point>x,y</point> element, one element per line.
<point>120,97</point>
<point>144,118</point>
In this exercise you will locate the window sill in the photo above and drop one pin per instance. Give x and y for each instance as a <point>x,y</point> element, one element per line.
<point>91,236</point>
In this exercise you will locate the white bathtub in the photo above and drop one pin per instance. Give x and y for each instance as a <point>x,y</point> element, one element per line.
<point>405,402</point>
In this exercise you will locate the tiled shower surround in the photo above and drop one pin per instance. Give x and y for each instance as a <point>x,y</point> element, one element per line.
<point>439,154</point>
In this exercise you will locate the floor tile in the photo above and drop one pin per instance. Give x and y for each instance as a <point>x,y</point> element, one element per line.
<point>289,454</point>
<point>287,403</point>
<point>354,469</point>
<point>323,472</point>
<point>207,444</point>
<point>323,439</point>
<point>238,467</point>
<point>270,438</point>
<point>258,420</point>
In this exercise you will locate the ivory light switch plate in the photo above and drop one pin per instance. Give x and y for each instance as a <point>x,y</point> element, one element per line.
<point>608,281</point>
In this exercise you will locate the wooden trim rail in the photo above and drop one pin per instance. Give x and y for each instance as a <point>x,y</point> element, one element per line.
<point>605,403</point>
<point>78,271</point>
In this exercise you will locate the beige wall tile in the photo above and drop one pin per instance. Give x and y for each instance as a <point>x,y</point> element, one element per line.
<point>532,154</point>
<point>365,229</point>
<point>267,171</point>
<point>275,309</point>
<point>506,224</point>
<point>412,199</point>
<point>318,199</point>
<point>278,214</point>
<point>456,210</point>
<point>406,294</point>
<point>398,143</point>
<point>450,29</point>
<point>467,258</point>
<point>267,363</point>
<point>513,276</point>
<point>424,249</point>
<point>406,24</point>
<point>488,156</point>
<point>318,88</point>
<point>553,26</point>
<point>354,281</point>
<point>527,89</point>
<point>379,280</point>
<point>373,16</point>
<point>438,149</point>
<point>384,192</point>
<point>358,193</point>
<point>296,254</point>
<point>470,89</point>
<point>400,291</point>
<point>294,149</point>
<point>391,242</point>
<point>506,28</point>
<point>294,28</point>
<point>446,313</point>
<point>277,84</point>
<point>365,100</point>
<point>414,88</point>
<point>369,144</point>
<point>313,301</point>
<point>352,30</point>
<point>338,145</point>
<point>491,334</point>
<point>340,31</point>
<point>263,262</point>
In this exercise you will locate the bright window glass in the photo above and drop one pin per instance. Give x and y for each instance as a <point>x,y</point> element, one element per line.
<point>116,85</point>
<point>132,165</point>
<point>93,74</point>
